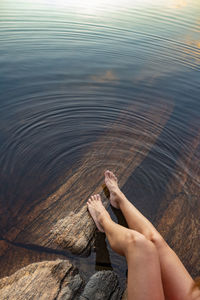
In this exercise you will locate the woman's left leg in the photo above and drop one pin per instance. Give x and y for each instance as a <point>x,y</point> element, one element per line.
<point>144,274</point>
<point>177,282</point>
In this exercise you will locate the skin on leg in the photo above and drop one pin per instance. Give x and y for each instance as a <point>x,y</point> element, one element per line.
<point>176,280</point>
<point>133,216</point>
<point>144,274</point>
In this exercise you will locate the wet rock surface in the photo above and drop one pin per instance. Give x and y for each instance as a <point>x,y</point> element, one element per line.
<point>14,257</point>
<point>76,225</point>
<point>178,216</point>
<point>125,295</point>
<point>103,285</point>
<point>59,280</point>
<point>44,280</point>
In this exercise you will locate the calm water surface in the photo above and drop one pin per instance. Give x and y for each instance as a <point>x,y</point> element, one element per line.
<point>68,68</point>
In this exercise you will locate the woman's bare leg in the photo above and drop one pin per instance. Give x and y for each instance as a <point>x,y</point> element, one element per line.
<point>177,282</point>
<point>144,275</point>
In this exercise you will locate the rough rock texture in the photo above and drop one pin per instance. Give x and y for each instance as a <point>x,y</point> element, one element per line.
<point>58,280</point>
<point>65,230</point>
<point>125,295</point>
<point>45,280</point>
<point>103,285</point>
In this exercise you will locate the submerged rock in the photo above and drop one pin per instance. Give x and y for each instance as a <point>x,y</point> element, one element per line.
<point>178,215</point>
<point>15,257</point>
<point>125,295</point>
<point>122,149</point>
<point>48,280</point>
<point>74,232</point>
<point>61,220</point>
<point>58,280</point>
<point>103,285</point>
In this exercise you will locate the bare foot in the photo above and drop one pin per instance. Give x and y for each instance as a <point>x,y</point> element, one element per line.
<point>97,210</point>
<point>112,185</point>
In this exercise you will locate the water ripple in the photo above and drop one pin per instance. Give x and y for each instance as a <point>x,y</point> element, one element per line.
<point>70,69</point>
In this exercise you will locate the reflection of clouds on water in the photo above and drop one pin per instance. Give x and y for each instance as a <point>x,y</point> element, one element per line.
<point>148,76</point>
<point>177,3</point>
<point>151,74</point>
<point>193,51</point>
<point>198,24</point>
<point>195,44</point>
<point>108,76</point>
<point>198,44</point>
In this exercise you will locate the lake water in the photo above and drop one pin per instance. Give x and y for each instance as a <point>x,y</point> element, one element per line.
<point>69,68</point>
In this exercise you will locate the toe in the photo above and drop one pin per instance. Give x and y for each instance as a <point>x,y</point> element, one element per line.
<point>98,197</point>
<point>112,174</point>
<point>107,173</point>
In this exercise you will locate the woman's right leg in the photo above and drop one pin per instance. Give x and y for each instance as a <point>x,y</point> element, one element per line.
<point>144,275</point>
<point>177,282</point>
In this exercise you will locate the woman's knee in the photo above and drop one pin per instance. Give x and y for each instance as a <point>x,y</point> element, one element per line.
<point>158,241</point>
<point>135,240</point>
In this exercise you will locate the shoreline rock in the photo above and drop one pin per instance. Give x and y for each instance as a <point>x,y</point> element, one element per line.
<point>48,280</point>
<point>103,285</point>
<point>58,280</point>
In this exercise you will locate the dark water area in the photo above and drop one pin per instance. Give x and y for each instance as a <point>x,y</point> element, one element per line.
<point>69,69</point>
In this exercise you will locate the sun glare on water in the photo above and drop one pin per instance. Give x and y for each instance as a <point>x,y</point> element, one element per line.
<point>98,6</point>
<point>94,5</point>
